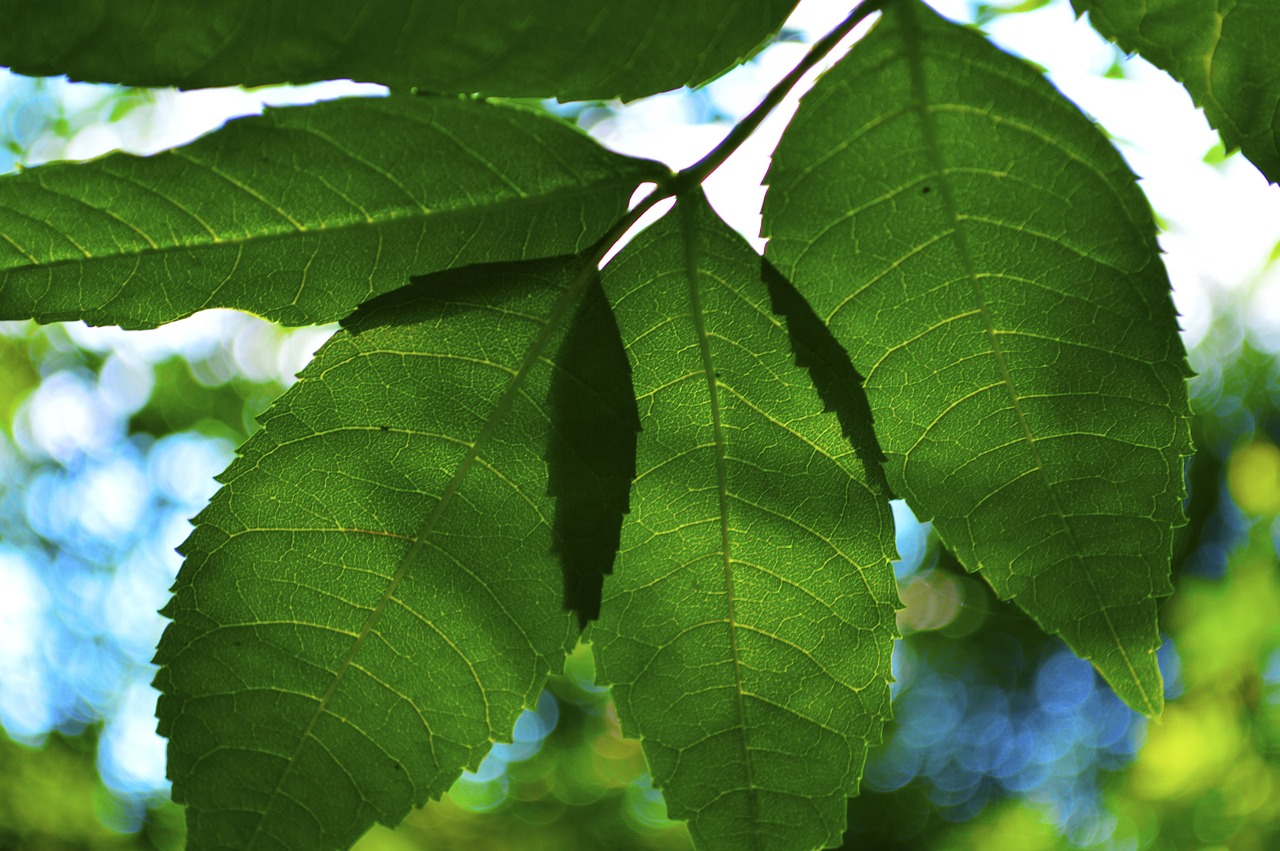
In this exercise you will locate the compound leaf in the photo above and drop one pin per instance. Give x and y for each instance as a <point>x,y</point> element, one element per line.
<point>372,598</point>
<point>303,213</point>
<point>748,628</point>
<point>571,49</point>
<point>989,263</point>
<point>1223,51</point>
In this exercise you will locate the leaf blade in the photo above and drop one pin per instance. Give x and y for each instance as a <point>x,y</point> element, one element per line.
<point>372,598</point>
<point>1013,321</point>
<point>1221,53</point>
<point>303,213</point>
<point>574,50</point>
<point>748,628</point>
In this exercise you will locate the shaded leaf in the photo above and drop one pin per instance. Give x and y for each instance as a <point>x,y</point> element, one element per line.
<point>303,213</point>
<point>591,460</point>
<point>571,49</point>
<point>1223,52</point>
<point>371,598</point>
<point>748,629</point>
<point>838,382</point>
<point>988,261</point>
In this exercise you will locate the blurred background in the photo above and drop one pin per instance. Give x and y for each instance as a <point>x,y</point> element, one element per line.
<point>1001,739</point>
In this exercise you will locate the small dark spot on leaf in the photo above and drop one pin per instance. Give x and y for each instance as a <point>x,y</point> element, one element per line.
<point>926,190</point>
<point>384,428</point>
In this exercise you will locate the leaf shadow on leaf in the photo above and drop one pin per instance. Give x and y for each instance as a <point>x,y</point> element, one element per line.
<point>591,449</point>
<point>441,295</point>
<point>837,380</point>
<point>591,453</point>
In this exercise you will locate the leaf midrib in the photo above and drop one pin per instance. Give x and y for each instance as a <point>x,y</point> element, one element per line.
<point>419,213</point>
<point>912,39</point>
<point>689,226</point>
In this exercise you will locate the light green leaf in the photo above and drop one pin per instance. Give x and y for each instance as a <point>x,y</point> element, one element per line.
<point>571,49</point>
<point>989,263</point>
<point>303,213</point>
<point>372,597</point>
<point>1223,51</point>
<point>748,627</point>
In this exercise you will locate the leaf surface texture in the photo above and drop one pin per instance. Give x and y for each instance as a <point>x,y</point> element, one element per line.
<point>571,49</point>
<point>372,597</point>
<point>303,213</point>
<point>1223,51</point>
<point>748,627</point>
<point>989,263</point>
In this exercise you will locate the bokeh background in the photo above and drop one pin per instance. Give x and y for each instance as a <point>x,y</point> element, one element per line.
<point>1001,739</point>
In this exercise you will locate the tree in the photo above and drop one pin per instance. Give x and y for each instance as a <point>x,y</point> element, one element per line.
<point>510,441</point>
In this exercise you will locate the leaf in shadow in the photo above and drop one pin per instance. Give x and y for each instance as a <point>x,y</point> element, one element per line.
<point>837,380</point>
<point>591,455</point>
<point>439,296</point>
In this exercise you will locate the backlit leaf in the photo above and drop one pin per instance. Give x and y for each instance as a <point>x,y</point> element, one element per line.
<point>1223,52</point>
<point>571,49</point>
<point>372,598</point>
<point>989,263</point>
<point>748,627</point>
<point>303,213</point>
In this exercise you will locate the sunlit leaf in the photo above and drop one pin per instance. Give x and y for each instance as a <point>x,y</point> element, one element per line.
<point>303,213</point>
<point>748,628</point>
<point>571,49</point>
<point>372,598</point>
<point>990,265</point>
<point>1223,52</point>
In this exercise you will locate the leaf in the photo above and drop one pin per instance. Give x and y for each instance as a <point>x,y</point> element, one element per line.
<point>987,260</point>
<point>748,629</point>
<point>371,598</point>
<point>1223,52</point>
<point>571,49</point>
<point>591,459</point>
<point>303,213</point>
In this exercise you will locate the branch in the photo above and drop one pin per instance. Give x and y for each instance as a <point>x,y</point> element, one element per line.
<point>702,169</point>
<point>681,182</point>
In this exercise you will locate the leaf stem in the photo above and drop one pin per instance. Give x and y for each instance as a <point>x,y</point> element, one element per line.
<point>702,169</point>
<point>689,178</point>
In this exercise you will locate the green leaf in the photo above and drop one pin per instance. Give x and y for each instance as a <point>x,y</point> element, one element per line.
<point>591,459</point>
<point>1223,51</point>
<point>748,629</point>
<point>571,49</point>
<point>371,598</point>
<point>990,264</point>
<point>303,213</point>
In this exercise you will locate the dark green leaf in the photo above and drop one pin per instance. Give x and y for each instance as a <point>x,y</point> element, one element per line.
<point>1223,52</point>
<point>303,213</point>
<point>571,49</point>
<point>591,459</point>
<point>748,629</point>
<point>838,382</point>
<point>371,598</point>
<point>988,261</point>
